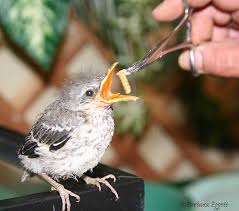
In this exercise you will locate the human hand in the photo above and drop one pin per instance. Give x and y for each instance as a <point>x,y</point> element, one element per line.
<point>215,32</point>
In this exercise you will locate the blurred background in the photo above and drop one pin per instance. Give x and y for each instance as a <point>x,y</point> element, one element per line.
<point>182,130</point>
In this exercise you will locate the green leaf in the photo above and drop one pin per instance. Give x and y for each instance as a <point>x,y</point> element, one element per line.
<point>37,26</point>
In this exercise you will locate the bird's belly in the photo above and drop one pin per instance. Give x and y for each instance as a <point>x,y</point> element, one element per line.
<point>89,149</point>
<point>86,158</point>
<point>80,154</point>
<point>68,162</point>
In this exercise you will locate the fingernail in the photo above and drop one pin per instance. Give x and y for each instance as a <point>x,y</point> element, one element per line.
<point>184,60</point>
<point>156,10</point>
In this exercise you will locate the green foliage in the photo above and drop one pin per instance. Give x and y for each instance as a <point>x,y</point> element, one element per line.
<point>131,117</point>
<point>120,23</point>
<point>36,26</point>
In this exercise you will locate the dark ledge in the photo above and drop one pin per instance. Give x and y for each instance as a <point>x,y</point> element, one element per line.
<point>129,187</point>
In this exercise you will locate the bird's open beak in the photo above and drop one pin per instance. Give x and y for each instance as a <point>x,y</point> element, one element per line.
<point>105,93</point>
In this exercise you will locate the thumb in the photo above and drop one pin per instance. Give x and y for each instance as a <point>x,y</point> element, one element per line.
<point>216,58</point>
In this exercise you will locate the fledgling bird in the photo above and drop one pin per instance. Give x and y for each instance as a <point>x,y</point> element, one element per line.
<point>72,134</point>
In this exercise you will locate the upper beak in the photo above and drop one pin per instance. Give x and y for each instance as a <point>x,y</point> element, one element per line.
<point>105,93</point>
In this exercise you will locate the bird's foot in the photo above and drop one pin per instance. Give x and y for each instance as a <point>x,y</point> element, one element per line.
<point>64,193</point>
<point>98,181</point>
<point>65,196</point>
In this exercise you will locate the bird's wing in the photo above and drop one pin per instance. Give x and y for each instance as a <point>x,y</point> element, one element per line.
<point>53,135</point>
<point>28,148</point>
<point>42,132</point>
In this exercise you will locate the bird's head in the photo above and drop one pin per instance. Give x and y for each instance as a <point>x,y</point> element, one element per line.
<point>93,92</point>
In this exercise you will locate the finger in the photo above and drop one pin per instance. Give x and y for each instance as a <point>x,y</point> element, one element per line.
<point>168,10</point>
<point>222,33</point>
<point>235,17</point>
<point>231,5</point>
<point>171,9</point>
<point>201,26</point>
<point>203,22</point>
<point>233,33</point>
<point>219,34</point>
<point>198,3</point>
<point>219,58</point>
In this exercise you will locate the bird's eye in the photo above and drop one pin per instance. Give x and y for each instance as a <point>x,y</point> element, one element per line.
<point>89,93</point>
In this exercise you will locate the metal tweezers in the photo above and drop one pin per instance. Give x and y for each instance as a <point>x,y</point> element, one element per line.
<point>160,49</point>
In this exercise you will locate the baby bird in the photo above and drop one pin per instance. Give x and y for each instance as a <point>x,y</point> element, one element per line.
<point>72,134</point>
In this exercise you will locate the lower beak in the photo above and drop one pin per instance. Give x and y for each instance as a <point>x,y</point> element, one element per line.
<point>105,93</point>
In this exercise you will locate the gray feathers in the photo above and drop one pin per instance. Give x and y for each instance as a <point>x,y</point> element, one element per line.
<point>28,148</point>
<point>72,133</point>
<point>60,118</point>
<point>73,96</point>
<point>48,134</point>
<point>52,129</point>
<point>53,135</point>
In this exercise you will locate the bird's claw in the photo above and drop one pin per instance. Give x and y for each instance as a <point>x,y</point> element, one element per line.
<point>65,196</point>
<point>97,181</point>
